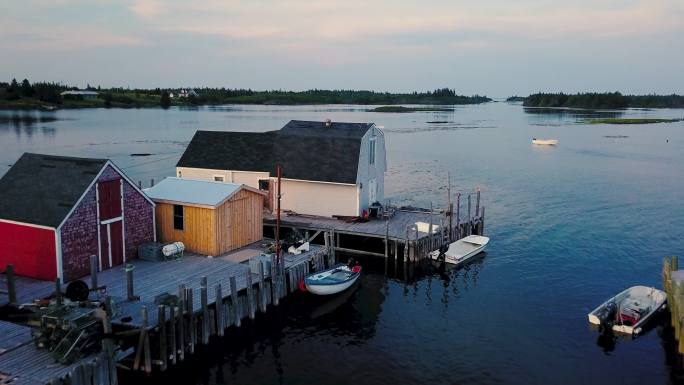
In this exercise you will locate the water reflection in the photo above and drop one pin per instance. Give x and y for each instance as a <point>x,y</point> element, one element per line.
<point>27,123</point>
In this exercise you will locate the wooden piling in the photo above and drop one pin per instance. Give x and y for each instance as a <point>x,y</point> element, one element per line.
<point>205,311</point>
<point>129,282</point>
<point>141,339</point>
<point>192,327</point>
<point>173,333</point>
<point>458,217</point>
<point>234,303</point>
<point>93,271</point>
<point>161,324</point>
<point>477,202</point>
<point>482,221</point>
<point>262,293</point>
<point>181,329</point>
<point>220,320</point>
<point>11,284</point>
<point>250,295</point>
<point>107,343</point>
<point>58,291</point>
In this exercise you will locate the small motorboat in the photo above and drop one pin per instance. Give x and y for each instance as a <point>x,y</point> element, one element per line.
<point>332,281</point>
<point>628,311</point>
<point>461,250</point>
<point>547,142</point>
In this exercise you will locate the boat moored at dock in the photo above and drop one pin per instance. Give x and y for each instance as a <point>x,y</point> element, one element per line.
<point>545,142</point>
<point>332,281</point>
<point>460,251</point>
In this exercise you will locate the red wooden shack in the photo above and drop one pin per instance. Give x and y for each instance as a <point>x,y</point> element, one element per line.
<point>55,212</point>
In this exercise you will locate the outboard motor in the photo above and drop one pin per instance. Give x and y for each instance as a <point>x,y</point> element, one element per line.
<point>608,313</point>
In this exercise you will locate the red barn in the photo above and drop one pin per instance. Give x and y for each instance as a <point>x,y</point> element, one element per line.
<point>55,212</point>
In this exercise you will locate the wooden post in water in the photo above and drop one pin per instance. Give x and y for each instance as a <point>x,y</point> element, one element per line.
<point>220,320</point>
<point>107,343</point>
<point>129,282</point>
<point>470,217</point>
<point>482,222</point>
<point>477,202</point>
<point>173,333</point>
<point>386,240</point>
<point>234,302</point>
<point>205,310</point>
<point>458,217</point>
<point>141,339</point>
<point>416,252</point>
<point>275,282</point>
<point>58,291</point>
<point>431,238</point>
<point>93,271</point>
<point>250,295</point>
<point>152,182</point>
<point>192,326</point>
<point>406,245</point>
<point>262,293</point>
<point>161,324</point>
<point>11,284</point>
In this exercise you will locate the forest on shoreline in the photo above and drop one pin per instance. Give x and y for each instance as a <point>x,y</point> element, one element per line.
<point>45,95</point>
<point>606,100</point>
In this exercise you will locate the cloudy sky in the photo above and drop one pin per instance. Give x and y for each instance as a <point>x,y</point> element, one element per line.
<point>493,47</point>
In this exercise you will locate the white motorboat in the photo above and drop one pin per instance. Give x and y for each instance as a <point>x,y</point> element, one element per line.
<point>547,142</point>
<point>628,311</point>
<point>332,281</point>
<point>462,250</point>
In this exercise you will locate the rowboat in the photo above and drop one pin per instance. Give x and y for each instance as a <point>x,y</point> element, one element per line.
<point>461,250</point>
<point>548,142</point>
<point>628,311</point>
<point>332,281</point>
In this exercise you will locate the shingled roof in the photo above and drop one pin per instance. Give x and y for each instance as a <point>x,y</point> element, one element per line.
<point>306,150</point>
<point>42,189</point>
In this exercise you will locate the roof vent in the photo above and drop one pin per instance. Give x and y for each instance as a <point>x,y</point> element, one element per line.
<point>328,122</point>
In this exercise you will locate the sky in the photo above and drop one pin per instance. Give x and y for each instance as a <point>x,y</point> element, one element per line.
<point>496,48</point>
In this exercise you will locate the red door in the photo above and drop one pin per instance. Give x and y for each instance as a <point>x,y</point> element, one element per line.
<point>111,223</point>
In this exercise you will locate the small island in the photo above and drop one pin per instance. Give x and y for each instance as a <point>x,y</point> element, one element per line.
<point>631,121</point>
<point>515,98</point>
<point>401,109</point>
<point>606,100</point>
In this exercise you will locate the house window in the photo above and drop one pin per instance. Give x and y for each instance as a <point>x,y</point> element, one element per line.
<point>219,178</point>
<point>371,152</point>
<point>263,184</point>
<point>178,217</point>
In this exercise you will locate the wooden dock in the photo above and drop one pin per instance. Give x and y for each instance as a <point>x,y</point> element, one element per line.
<point>160,313</point>
<point>673,283</point>
<point>395,236</point>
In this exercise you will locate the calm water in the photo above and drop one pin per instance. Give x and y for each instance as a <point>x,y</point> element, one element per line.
<point>570,226</point>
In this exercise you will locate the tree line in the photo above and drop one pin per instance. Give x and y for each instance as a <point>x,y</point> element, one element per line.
<point>605,100</point>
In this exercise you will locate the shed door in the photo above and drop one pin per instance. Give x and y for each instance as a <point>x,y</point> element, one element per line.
<point>110,210</point>
<point>372,191</point>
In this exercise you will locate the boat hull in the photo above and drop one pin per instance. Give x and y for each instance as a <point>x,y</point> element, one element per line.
<point>463,250</point>
<point>656,300</point>
<point>331,289</point>
<point>332,281</point>
<point>545,142</point>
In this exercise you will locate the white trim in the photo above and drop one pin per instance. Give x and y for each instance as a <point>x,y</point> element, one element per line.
<point>27,224</point>
<point>78,202</point>
<point>108,221</point>
<point>358,202</point>
<point>154,223</point>
<point>58,254</point>
<point>123,222</point>
<point>99,240</point>
<point>130,182</point>
<point>109,243</point>
<point>189,204</point>
<point>94,182</point>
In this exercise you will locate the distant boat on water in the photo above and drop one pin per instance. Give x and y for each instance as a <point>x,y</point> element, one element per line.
<point>546,142</point>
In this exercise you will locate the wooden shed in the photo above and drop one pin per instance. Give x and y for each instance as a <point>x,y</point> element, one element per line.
<point>57,211</point>
<point>210,218</point>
